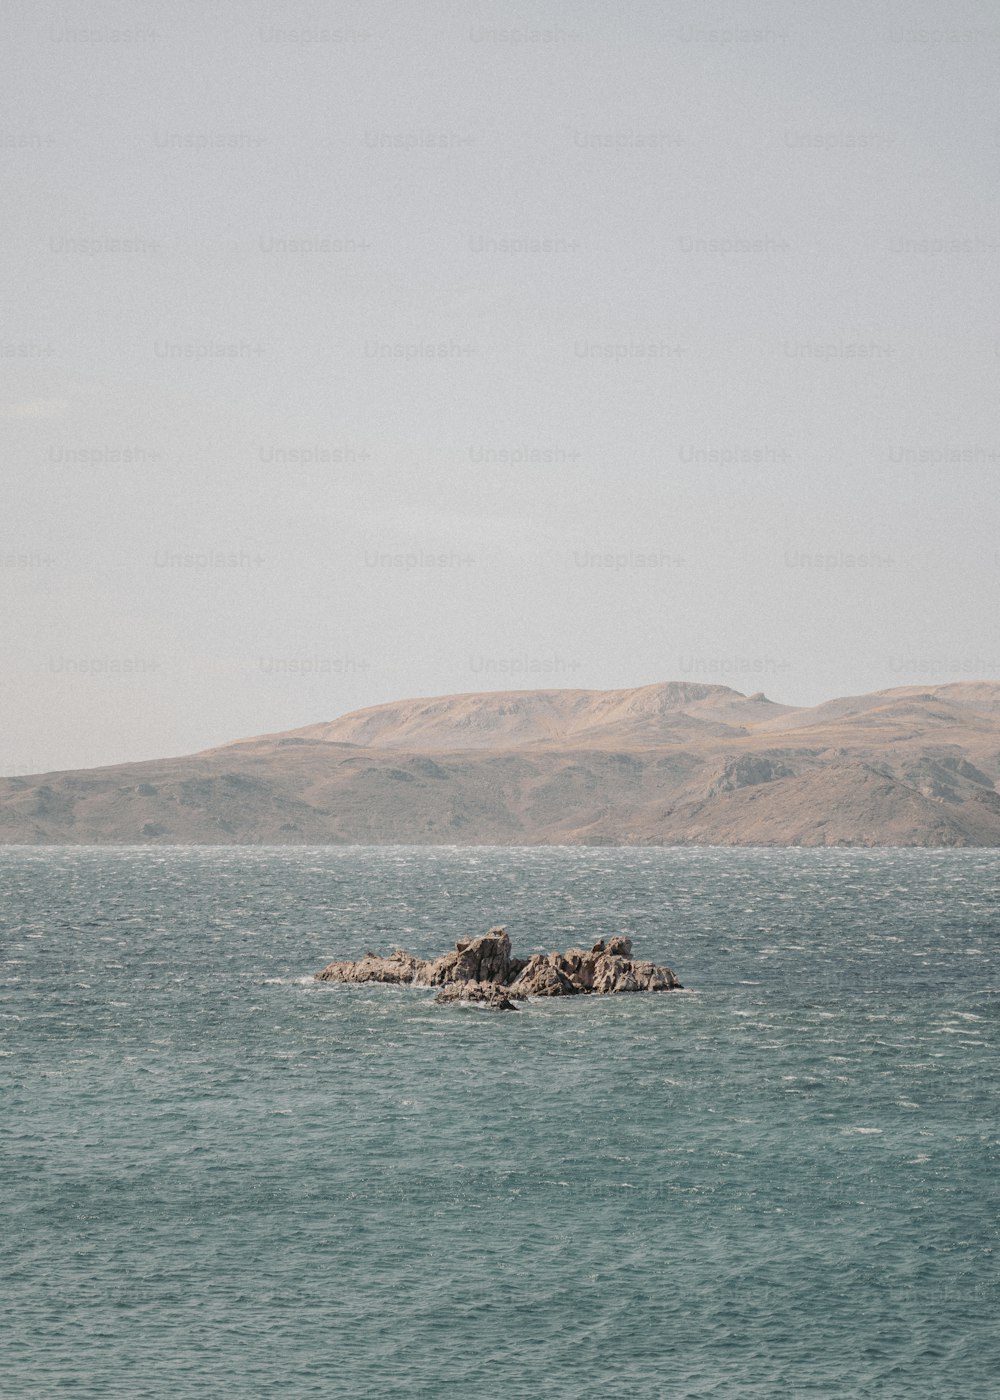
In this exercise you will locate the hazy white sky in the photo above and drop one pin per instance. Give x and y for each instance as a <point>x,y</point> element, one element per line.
<point>409,348</point>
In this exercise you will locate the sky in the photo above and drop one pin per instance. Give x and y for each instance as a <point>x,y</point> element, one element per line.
<point>402,349</point>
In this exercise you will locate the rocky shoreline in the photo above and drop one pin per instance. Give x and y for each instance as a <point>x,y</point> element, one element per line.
<point>484,970</point>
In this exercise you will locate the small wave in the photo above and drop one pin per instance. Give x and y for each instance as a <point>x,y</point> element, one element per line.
<point>863,1132</point>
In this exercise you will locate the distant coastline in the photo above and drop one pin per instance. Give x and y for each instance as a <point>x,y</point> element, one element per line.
<point>686,762</point>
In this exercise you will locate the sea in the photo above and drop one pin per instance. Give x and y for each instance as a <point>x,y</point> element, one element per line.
<point>220,1178</point>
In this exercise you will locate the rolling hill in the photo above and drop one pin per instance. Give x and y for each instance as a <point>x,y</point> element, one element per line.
<point>669,764</point>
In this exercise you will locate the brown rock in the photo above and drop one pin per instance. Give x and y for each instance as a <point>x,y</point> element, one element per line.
<point>579,966</point>
<point>483,970</point>
<point>400,967</point>
<point>543,978</point>
<point>485,959</point>
<point>654,979</point>
<point>614,974</point>
<point>492,994</point>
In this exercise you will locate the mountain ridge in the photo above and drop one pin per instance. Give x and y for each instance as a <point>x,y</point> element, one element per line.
<point>674,763</point>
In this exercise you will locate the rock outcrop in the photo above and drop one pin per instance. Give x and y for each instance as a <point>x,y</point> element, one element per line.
<point>603,970</point>
<point>485,959</point>
<point>492,994</point>
<point>483,970</point>
<point>399,966</point>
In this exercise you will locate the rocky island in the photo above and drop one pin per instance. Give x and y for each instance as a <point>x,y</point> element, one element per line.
<point>484,970</point>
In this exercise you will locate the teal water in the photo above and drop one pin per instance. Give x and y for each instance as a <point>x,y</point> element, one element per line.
<point>219,1178</point>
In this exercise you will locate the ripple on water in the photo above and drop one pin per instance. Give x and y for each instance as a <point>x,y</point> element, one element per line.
<point>227,1179</point>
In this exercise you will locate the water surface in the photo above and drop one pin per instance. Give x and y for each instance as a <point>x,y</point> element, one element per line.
<point>220,1178</point>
